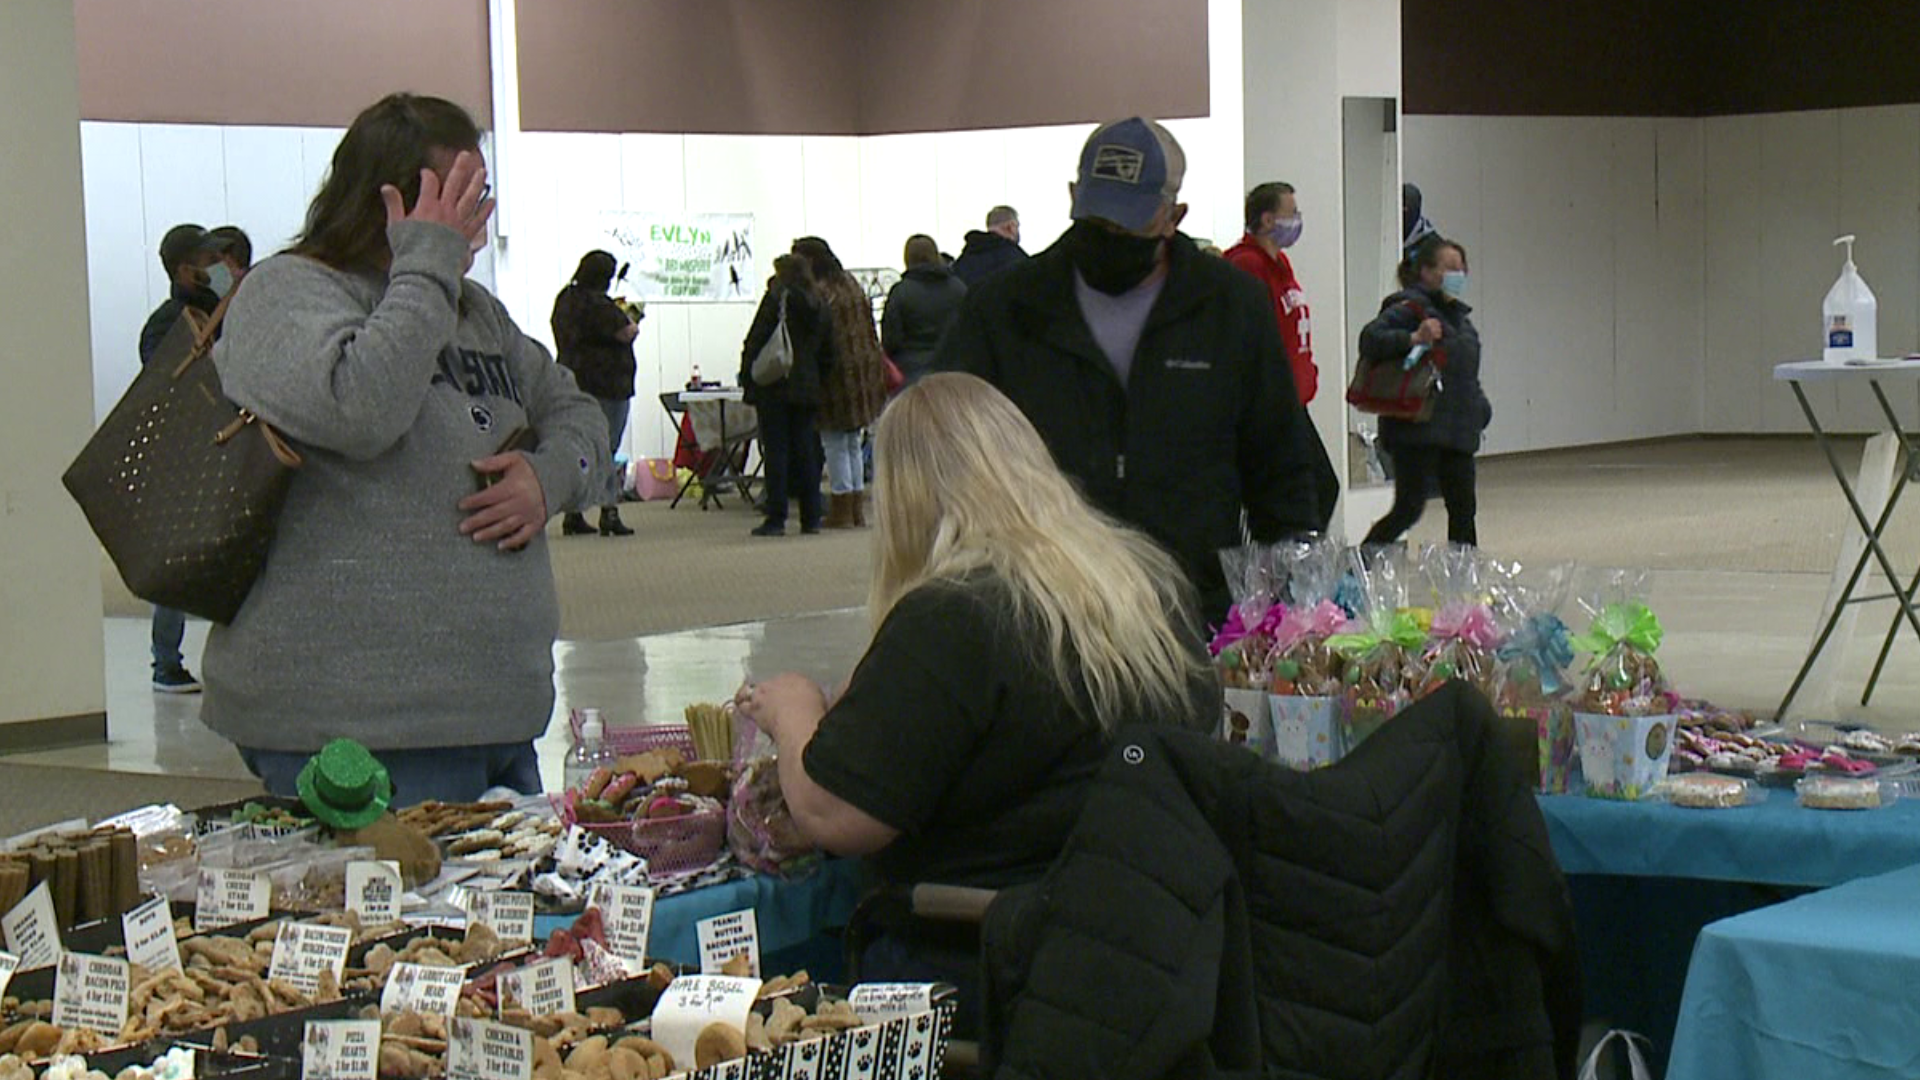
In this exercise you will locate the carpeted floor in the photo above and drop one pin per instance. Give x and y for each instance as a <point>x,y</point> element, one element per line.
<point>38,795</point>
<point>1766,505</point>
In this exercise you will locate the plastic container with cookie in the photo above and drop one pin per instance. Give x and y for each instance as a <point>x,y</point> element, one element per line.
<point>1242,647</point>
<point>1624,719</point>
<point>1709,791</point>
<point>1304,692</point>
<point>1532,690</point>
<point>1845,793</point>
<point>1382,665</point>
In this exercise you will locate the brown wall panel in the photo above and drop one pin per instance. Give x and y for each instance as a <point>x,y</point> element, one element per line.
<point>1657,57</point>
<point>714,66</point>
<point>933,66</point>
<point>295,62</point>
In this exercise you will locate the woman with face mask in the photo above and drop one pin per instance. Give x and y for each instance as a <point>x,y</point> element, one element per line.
<point>1430,310</point>
<point>1274,225</point>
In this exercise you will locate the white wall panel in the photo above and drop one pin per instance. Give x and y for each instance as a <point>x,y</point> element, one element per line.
<point>1735,379</point>
<point>832,191</point>
<point>1800,194</point>
<point>266,185</point>
<point>183,179</point>
<point>1880,203</point>
<point>969,178</point>
<point>117,256</point>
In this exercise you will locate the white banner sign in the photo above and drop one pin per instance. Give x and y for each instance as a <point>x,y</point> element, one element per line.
<point>682,257</point>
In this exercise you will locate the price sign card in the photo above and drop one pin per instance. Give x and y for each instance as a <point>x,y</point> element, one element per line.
<point>9,963</point>
<point>542,989</point>
<point>426,990</point>
<point>628,911</point>
<point>373,891</point>
<point>340,1050</point>
<point>32,932</point>
<point>878,1003</point>
<point>302,952</point>
<point>484,1050</point>
<point>148,931</point>
<point>724,937</point>
<point>90,993</point>
<point>508,914</point>
<point>691,1002</point>
<point>230,896</point>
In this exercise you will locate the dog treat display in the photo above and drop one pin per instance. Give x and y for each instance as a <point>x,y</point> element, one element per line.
<point>90,874</point>
<point>1840,793</point>
<point>1706,791</point>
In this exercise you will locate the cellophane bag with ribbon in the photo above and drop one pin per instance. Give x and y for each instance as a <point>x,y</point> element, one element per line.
<point>1624,711</point>
<point>1306,686</point>
<point>761,831</point>
<point>1531,687</point>
<point>1243,647</point>
<point>1464,636</point>
<point>1382,654</point>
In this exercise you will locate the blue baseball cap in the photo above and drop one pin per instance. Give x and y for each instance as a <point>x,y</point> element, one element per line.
<point>1129,169</point>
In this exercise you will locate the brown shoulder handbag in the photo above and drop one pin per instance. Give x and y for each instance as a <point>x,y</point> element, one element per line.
<point>1404,389</point>
<point>182,486</point>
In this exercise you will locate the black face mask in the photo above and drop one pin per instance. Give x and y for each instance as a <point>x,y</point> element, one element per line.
<point>1112,262</point>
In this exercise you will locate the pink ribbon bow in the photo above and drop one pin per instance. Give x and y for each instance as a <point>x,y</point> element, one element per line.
<point>1236,629</point>
<point>1470,623</point>
<point>1322,620</point>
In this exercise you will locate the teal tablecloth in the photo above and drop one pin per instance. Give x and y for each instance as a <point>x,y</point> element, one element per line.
<point>1777,842</point>
<point>1819,987</point>
<point>792,915</point>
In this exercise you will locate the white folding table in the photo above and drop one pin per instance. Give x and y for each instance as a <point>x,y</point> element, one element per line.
<point>1872,498</point>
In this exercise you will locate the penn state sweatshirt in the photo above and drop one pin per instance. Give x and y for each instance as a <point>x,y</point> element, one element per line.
<point>374,618</point>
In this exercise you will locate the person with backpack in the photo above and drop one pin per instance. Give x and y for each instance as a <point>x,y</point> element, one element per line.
<point>1430,309</point>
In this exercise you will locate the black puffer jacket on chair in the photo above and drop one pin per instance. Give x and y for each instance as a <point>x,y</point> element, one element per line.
<point>1398,915</point>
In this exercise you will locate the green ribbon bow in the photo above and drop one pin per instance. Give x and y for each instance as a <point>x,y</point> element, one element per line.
<point>1632,624</point>
<point>1400,628</point>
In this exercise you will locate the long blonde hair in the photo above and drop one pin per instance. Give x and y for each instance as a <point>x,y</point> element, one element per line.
<point>963,483</point>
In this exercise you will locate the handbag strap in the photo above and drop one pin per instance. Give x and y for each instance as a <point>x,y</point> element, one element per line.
<point>204,332</point>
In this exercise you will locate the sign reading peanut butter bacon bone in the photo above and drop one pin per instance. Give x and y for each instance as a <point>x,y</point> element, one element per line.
<point>693,1003</point>
<point>724,939</point>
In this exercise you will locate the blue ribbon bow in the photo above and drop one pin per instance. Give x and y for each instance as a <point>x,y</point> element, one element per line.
<point>1543,642</point>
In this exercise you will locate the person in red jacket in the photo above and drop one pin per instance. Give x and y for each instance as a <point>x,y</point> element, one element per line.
<point>1273,224</point>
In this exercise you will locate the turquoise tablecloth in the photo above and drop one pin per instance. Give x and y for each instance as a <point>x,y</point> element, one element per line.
<point>790,914</point>
<point>1777,842</point>
<point>1820,987</point>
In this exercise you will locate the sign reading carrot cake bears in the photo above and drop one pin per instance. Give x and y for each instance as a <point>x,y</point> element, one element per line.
<point>682,257</point>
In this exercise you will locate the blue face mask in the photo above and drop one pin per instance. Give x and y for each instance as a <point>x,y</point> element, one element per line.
<point>1454,284</point>
<point>220,279</point>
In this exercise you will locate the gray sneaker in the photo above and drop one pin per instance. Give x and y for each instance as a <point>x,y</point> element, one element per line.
<point>180,681</point>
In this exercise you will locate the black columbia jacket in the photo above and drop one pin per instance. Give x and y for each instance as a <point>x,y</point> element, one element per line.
<point>1207,424</point>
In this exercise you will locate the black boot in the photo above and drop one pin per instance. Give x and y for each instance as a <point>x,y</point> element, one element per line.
<point>610,523</point>
<point>575,525</point>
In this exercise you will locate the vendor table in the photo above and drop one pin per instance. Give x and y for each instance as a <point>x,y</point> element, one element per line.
<point>792,914</point>
<point>722,425</point>
<point>1777,842</point>
<point>1821,986</point>
<point>1872,506</point>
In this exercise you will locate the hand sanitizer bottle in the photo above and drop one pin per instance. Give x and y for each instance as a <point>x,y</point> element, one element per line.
<point>1850,313</point>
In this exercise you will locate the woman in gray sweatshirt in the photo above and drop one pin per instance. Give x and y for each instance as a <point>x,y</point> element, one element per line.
<point>408,601</point>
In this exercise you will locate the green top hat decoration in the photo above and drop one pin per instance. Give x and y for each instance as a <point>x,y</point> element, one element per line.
<point>345,786</point>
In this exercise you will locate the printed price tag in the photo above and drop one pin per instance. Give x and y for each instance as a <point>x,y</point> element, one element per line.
<point>148,931</point>
<point>542,989</point>
<point>302,952</point>
<point>9,963</point>
<point>340,1050</point>
<point>230,896</point>
<point>90,992</point>
<point>373,891</point>
<point>878,1003</point>
<point>427,990</point>
<point>484,1050</point>
<point>145,821</point>
<point>32,932</point>
<point>628,912</point>
<point>508,914</point>
<point>691,1002</point>
<point>724,937</point>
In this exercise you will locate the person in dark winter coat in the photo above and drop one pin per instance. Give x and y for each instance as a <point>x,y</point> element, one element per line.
<point>1400,914</point>
<point>595,340</point>
<point>1155,373</point>
<point>987,253</point>
<point>853,388</point>
<point>1430,310</point>
<point>920,308</point>
<point>789,407</point>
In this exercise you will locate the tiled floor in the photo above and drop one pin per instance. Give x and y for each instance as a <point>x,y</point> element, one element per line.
<point>1735,638</point>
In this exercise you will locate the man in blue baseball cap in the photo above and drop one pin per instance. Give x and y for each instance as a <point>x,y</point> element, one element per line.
<point>1155,372</point>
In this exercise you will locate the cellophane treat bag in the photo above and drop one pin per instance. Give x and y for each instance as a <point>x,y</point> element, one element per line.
<point>1382,653</point>
<point>1532,689</point>
<point>1464,636</point>
<point>1242,647</point>
<point>1306,671</point>
<point>1624,712</point>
